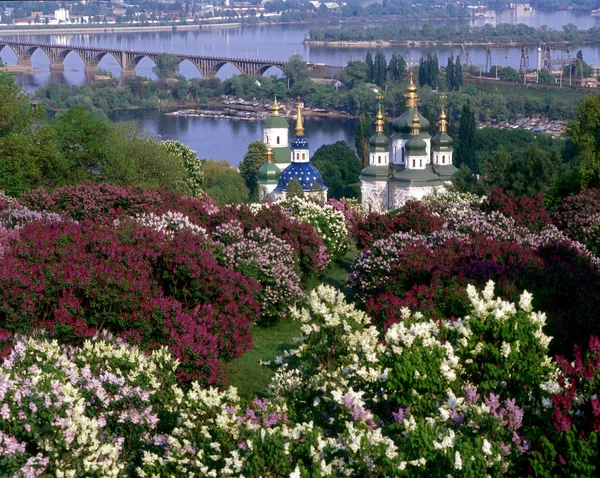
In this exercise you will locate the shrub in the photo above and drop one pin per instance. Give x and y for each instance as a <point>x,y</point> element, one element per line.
<point>430,272</point>
<point>78,279</point>
<point>328,222</point>
<point>529,212</point>
<point>579,217</point>
<point>413,216</point>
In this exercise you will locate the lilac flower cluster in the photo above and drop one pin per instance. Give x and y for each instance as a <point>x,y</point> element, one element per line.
<point>267,258</point>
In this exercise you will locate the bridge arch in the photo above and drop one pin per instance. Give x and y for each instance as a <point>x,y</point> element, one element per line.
<point>219,65</point>
<point>263,69</point>
<point>190,65</point>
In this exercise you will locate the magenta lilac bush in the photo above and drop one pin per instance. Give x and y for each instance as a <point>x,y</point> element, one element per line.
<point>75,279</point>
<point>578,216</point>
<point>528,212</point>
<point>413,216</point>
<point>430,272</point>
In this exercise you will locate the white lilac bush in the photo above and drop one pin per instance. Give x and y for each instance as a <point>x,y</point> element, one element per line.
<point>347,402</point>
<point>192,164</point>
<point>170,223</point>
<point>329,223</point>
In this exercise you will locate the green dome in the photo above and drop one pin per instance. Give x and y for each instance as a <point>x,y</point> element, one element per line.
<point>442,140</point>
<point>403,124</point>
<point>416,147</point>
<point>379,141</point>
<point>268,173</point>
<point>275,122</point>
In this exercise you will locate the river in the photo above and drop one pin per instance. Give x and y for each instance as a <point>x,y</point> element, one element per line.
<point>228,139</point>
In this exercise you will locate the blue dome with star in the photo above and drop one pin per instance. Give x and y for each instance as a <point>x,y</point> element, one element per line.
<point>305,173</point>
<point>299,142</point>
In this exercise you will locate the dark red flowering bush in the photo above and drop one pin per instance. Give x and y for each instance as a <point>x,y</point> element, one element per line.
<point>579,217</point>
<point>98,201</point>
<point>413,216</point>
<point>430,273</point>
<point>77,279</point>
<point>529,212</point>
<point>569,444</point>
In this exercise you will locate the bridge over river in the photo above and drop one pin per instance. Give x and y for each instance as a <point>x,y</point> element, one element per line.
<point>208,66</point>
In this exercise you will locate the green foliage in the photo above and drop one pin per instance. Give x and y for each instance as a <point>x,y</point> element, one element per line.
<point>429,71</point>
<point>545,77</point>
<point>466,152</point>
<point>340,168</point>
<point>223,183</point>
<point>193,167</point>
<point>295,70</point>
<point>584,133</point>
<point>294,189</point>
<point>254,158</point>
<point>379,69</point>
<point>355,73</point>
<point>361,137</point>
<point>16,115</point>
<point>167,66</point>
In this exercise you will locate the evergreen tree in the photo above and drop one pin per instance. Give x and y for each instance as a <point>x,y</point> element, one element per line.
<point>429,71</point>
<point>294,189</point>
<point>393,73</point>
<point>450,73</point>
<point>401,68</point>
<point>361,138</point>
<point>458,74</point>
<point>465,153</point>
<point>253,160</point>
<point>379,69</point>
<point>370,66</point>
<point>422,76</point>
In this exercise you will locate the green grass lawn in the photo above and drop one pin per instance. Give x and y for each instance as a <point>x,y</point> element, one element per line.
<point>246,373</point>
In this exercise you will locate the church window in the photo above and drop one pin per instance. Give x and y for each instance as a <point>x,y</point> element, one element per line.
<point>403,154</point>
<point>277,139</point>
<point>303,156</point>
<point>420,163</point>
<point>379,158</point>
<point>413,163</point>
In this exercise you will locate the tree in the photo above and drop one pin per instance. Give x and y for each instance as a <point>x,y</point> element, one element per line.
<point>355,73</point>
<point>370,66</point>
<point>16,114</point>
<point>429,71</point>
<point>340,168</point>
<point>167,66</point>
<point>223,183</point>
<point>253,160</point>
<point>466,151</point>
<point>450,73</point>
<point>362,135</point>
<point>584,133</point>
<point>458,74</point>
<point>379,69</point>
<point>294,189</point>
<point>295,70</point>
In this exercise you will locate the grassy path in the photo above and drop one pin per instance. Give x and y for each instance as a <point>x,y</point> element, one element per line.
<point>246,373</point>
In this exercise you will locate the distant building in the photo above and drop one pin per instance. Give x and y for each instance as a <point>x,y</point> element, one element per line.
<point>414,166</point>
<point>300,169</point>
<point>61,15</point>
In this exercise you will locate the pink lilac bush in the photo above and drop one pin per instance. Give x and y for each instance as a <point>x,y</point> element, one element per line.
<point>578,216</point>
<point>430,272</point>
<point>260,254</point>
<point>77,279</point>
<point>413,216</point>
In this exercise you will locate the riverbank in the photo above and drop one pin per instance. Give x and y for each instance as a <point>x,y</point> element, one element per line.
<point>430,43</point>
<point>99,29</point>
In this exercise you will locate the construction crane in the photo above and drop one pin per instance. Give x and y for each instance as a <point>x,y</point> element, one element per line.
<point>488,58</point>
<point>524,66</point>
<point>466,53</point>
